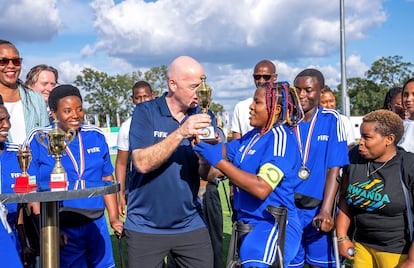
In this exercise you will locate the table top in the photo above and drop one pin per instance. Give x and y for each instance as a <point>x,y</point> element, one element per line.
<point>74,190</point>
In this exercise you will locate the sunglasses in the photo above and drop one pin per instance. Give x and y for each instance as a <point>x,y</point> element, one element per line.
<point>264,76</point>
<point>15,61</point>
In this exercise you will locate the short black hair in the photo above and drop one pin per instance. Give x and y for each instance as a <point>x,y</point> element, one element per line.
<point>141,84</point>
<point>1,100</point>
<point>60,92</point>
<point>313,73</point>
<point>391,93</point>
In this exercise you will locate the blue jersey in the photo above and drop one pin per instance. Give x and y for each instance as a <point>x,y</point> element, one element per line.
<point>87,157</point>
<point>165,200</point>
<point>327,149</point>
<point>10,170</point>
<point>8,248</point>
<point>277,147</point>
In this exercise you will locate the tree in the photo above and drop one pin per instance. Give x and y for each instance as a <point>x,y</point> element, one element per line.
<point>105,94</point>
<point>110,95</point>
<point>216,108</point>
<point>390,71</point>
<point>364,95</point>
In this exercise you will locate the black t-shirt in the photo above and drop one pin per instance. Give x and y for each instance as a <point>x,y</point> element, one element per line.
<point>377,201</point>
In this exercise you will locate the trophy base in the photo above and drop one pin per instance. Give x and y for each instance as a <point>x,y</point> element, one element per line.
<point>209,136</point>
<point>24,184</point>
<point>58,181</point>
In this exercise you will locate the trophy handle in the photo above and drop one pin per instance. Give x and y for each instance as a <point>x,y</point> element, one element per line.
<point>70,136</point>
<point>40,137</point>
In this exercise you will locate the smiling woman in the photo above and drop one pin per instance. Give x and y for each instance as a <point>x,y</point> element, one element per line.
<point>86,158</point>
<point>26,107</point>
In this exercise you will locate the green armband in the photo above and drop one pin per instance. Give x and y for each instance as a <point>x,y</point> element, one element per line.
<point>271,174</point>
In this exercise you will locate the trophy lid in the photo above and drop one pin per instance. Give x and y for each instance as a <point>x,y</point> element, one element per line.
<point>204,94</point>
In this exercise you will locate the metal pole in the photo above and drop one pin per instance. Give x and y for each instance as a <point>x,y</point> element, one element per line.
<point>49,243</point>
<point>345,98</point>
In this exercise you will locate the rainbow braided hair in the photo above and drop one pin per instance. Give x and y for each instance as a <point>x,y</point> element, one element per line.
<point>282,94</point>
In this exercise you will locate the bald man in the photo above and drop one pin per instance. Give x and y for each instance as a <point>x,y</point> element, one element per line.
<point>164,215</point>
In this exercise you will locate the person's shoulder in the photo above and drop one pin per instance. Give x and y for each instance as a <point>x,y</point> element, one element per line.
<point>11,147</point>
<point>126,124</point>
<point>245,102</point>
<point>91,129</point>
<point>37,130</point>
<point>329,113</point>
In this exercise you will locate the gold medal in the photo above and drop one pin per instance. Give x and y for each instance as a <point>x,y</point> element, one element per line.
<point>304,173</point>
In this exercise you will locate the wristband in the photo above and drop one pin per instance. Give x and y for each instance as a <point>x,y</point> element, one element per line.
<point>343,238</point>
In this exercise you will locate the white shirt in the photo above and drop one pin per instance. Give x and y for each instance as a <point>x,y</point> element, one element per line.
<point>407,140</point>
<point>240,122</point>
<point>123,135</point>
<point>350,135</point>
<point>17,131</point>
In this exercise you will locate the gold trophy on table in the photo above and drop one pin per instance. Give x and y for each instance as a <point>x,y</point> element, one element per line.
<point>204,101</point>
<point>24,182</point>
<point>54,142</point>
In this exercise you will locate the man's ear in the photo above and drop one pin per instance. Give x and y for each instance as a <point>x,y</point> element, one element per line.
<point>172,85</point>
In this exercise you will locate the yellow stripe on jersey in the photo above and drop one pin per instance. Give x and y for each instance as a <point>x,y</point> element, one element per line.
<point>271,174</point>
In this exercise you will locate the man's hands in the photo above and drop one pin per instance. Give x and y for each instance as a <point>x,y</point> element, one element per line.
<point>212,153</point>
<point>194,125</point>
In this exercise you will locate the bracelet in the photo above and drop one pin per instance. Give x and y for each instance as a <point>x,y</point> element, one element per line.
<point>342,238</point>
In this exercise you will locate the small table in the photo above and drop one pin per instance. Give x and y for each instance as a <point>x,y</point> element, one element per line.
<point>49,220</point>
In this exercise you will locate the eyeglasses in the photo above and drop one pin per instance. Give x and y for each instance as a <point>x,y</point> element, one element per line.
<point>264,76</point>
<point>15,61</point>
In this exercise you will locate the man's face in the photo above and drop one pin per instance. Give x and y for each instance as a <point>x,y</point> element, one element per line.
<point>141,94</point>
<point>309,92</point>
<point>263,74</point>
<point>185,90</point>
<point>45,83</point>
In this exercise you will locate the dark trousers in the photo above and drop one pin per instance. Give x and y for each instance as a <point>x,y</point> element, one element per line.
<point>214,219</point>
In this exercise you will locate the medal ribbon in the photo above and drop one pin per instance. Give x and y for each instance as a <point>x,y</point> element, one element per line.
<point>79,169</point>
<point>250,145</point>
<point>305,155</point>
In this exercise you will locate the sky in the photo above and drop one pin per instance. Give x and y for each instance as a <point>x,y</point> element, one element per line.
<point>228,37</point>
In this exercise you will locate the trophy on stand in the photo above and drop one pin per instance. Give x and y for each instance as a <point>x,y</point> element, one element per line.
<point>204,101</point>
<point>54,142</point>
<point>24,182</point>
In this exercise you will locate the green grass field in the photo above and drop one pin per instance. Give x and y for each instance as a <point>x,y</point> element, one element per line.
<point>226,227</point>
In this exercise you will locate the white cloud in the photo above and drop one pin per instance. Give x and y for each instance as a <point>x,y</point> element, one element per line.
<point>27,20</point>
<point>68,71</point>
<point>355,67</point>
<point>233,30</point>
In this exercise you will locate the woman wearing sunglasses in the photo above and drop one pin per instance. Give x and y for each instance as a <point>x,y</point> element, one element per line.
<point>27,108</point>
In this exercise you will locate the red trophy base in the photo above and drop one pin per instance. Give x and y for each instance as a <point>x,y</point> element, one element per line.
<point>58,181</point>
<point>22,185</point>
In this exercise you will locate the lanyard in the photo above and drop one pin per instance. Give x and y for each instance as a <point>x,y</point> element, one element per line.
<point>304,155</point>
<point>252,142</point>
<point>79,168</point>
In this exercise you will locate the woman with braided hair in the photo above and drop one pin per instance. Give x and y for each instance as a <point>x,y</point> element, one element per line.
<point>263,166</point>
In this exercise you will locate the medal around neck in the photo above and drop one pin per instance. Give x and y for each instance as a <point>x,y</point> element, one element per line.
<point>54,142</point>
<point>304,173</point>
<point>204,100</point>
